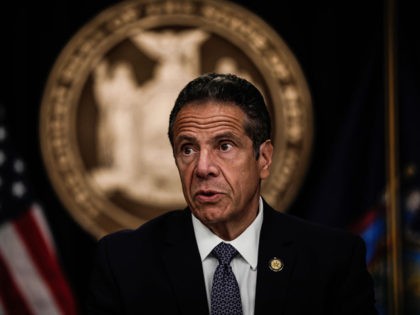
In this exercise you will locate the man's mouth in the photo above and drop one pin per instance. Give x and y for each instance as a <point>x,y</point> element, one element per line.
<point>207,195</point>
<point>207,192</point>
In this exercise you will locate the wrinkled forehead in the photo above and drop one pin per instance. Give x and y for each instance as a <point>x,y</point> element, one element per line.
<point>209,116</point>
<point>209,105</point>
<point>210,108</point>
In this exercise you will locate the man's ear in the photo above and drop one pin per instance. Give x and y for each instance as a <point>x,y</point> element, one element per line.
<point>265,158</point>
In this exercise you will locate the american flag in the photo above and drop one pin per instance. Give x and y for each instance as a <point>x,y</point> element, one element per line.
<point>31,279</point>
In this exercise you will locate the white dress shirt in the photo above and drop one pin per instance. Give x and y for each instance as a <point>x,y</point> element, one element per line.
<point>244,265</point>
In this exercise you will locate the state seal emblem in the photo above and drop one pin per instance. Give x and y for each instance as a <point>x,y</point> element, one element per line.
<point>105,107</point>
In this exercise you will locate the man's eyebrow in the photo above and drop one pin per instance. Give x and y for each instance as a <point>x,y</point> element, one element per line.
<point>217,137</point>
<point>185,138</point>
<point>225,135</point>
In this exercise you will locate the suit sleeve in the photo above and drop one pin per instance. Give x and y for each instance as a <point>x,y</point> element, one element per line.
<point>103,294</point>
<point>357,290</point>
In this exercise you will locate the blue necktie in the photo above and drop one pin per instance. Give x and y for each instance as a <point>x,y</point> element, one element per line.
<point>225,295</point>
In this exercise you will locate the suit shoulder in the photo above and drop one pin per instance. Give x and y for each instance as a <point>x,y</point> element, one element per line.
<point>150,231</point>
<point>318,234</point>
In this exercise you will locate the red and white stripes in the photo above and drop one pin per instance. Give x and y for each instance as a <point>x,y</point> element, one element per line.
<point>31,279</point>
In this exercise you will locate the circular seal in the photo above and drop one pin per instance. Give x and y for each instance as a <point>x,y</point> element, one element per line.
<point>106,105</point>
<point>276,264</point>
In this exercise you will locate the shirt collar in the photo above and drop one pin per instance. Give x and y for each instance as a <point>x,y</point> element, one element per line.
<point>246,243</point>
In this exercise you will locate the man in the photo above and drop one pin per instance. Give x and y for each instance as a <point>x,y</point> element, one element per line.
<point>220,130</point>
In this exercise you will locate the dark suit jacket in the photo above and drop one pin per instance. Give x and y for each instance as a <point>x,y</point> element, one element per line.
<point>156,269</point>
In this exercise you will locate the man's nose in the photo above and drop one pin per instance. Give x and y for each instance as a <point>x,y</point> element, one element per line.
<point>206,164</point>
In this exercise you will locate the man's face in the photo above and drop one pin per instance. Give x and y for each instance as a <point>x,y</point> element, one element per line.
<point>219,172</point>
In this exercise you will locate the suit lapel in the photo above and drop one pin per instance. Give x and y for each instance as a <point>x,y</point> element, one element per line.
<point>183,265</point>
<point>272,285</point>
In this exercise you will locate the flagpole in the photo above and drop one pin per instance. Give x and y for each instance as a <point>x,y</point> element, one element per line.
<point>395,276</point>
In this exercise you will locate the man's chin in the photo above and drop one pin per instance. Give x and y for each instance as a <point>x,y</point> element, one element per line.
<point>209,214</point>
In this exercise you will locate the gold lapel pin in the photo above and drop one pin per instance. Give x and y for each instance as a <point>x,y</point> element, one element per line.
<point>276,264</point>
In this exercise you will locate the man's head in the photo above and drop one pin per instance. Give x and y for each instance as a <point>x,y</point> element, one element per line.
<point>220,134</point>
<point>228,88</point>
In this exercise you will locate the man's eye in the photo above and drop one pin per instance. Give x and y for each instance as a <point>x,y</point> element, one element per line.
<point>187,150</point>
<point>225,146</point>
